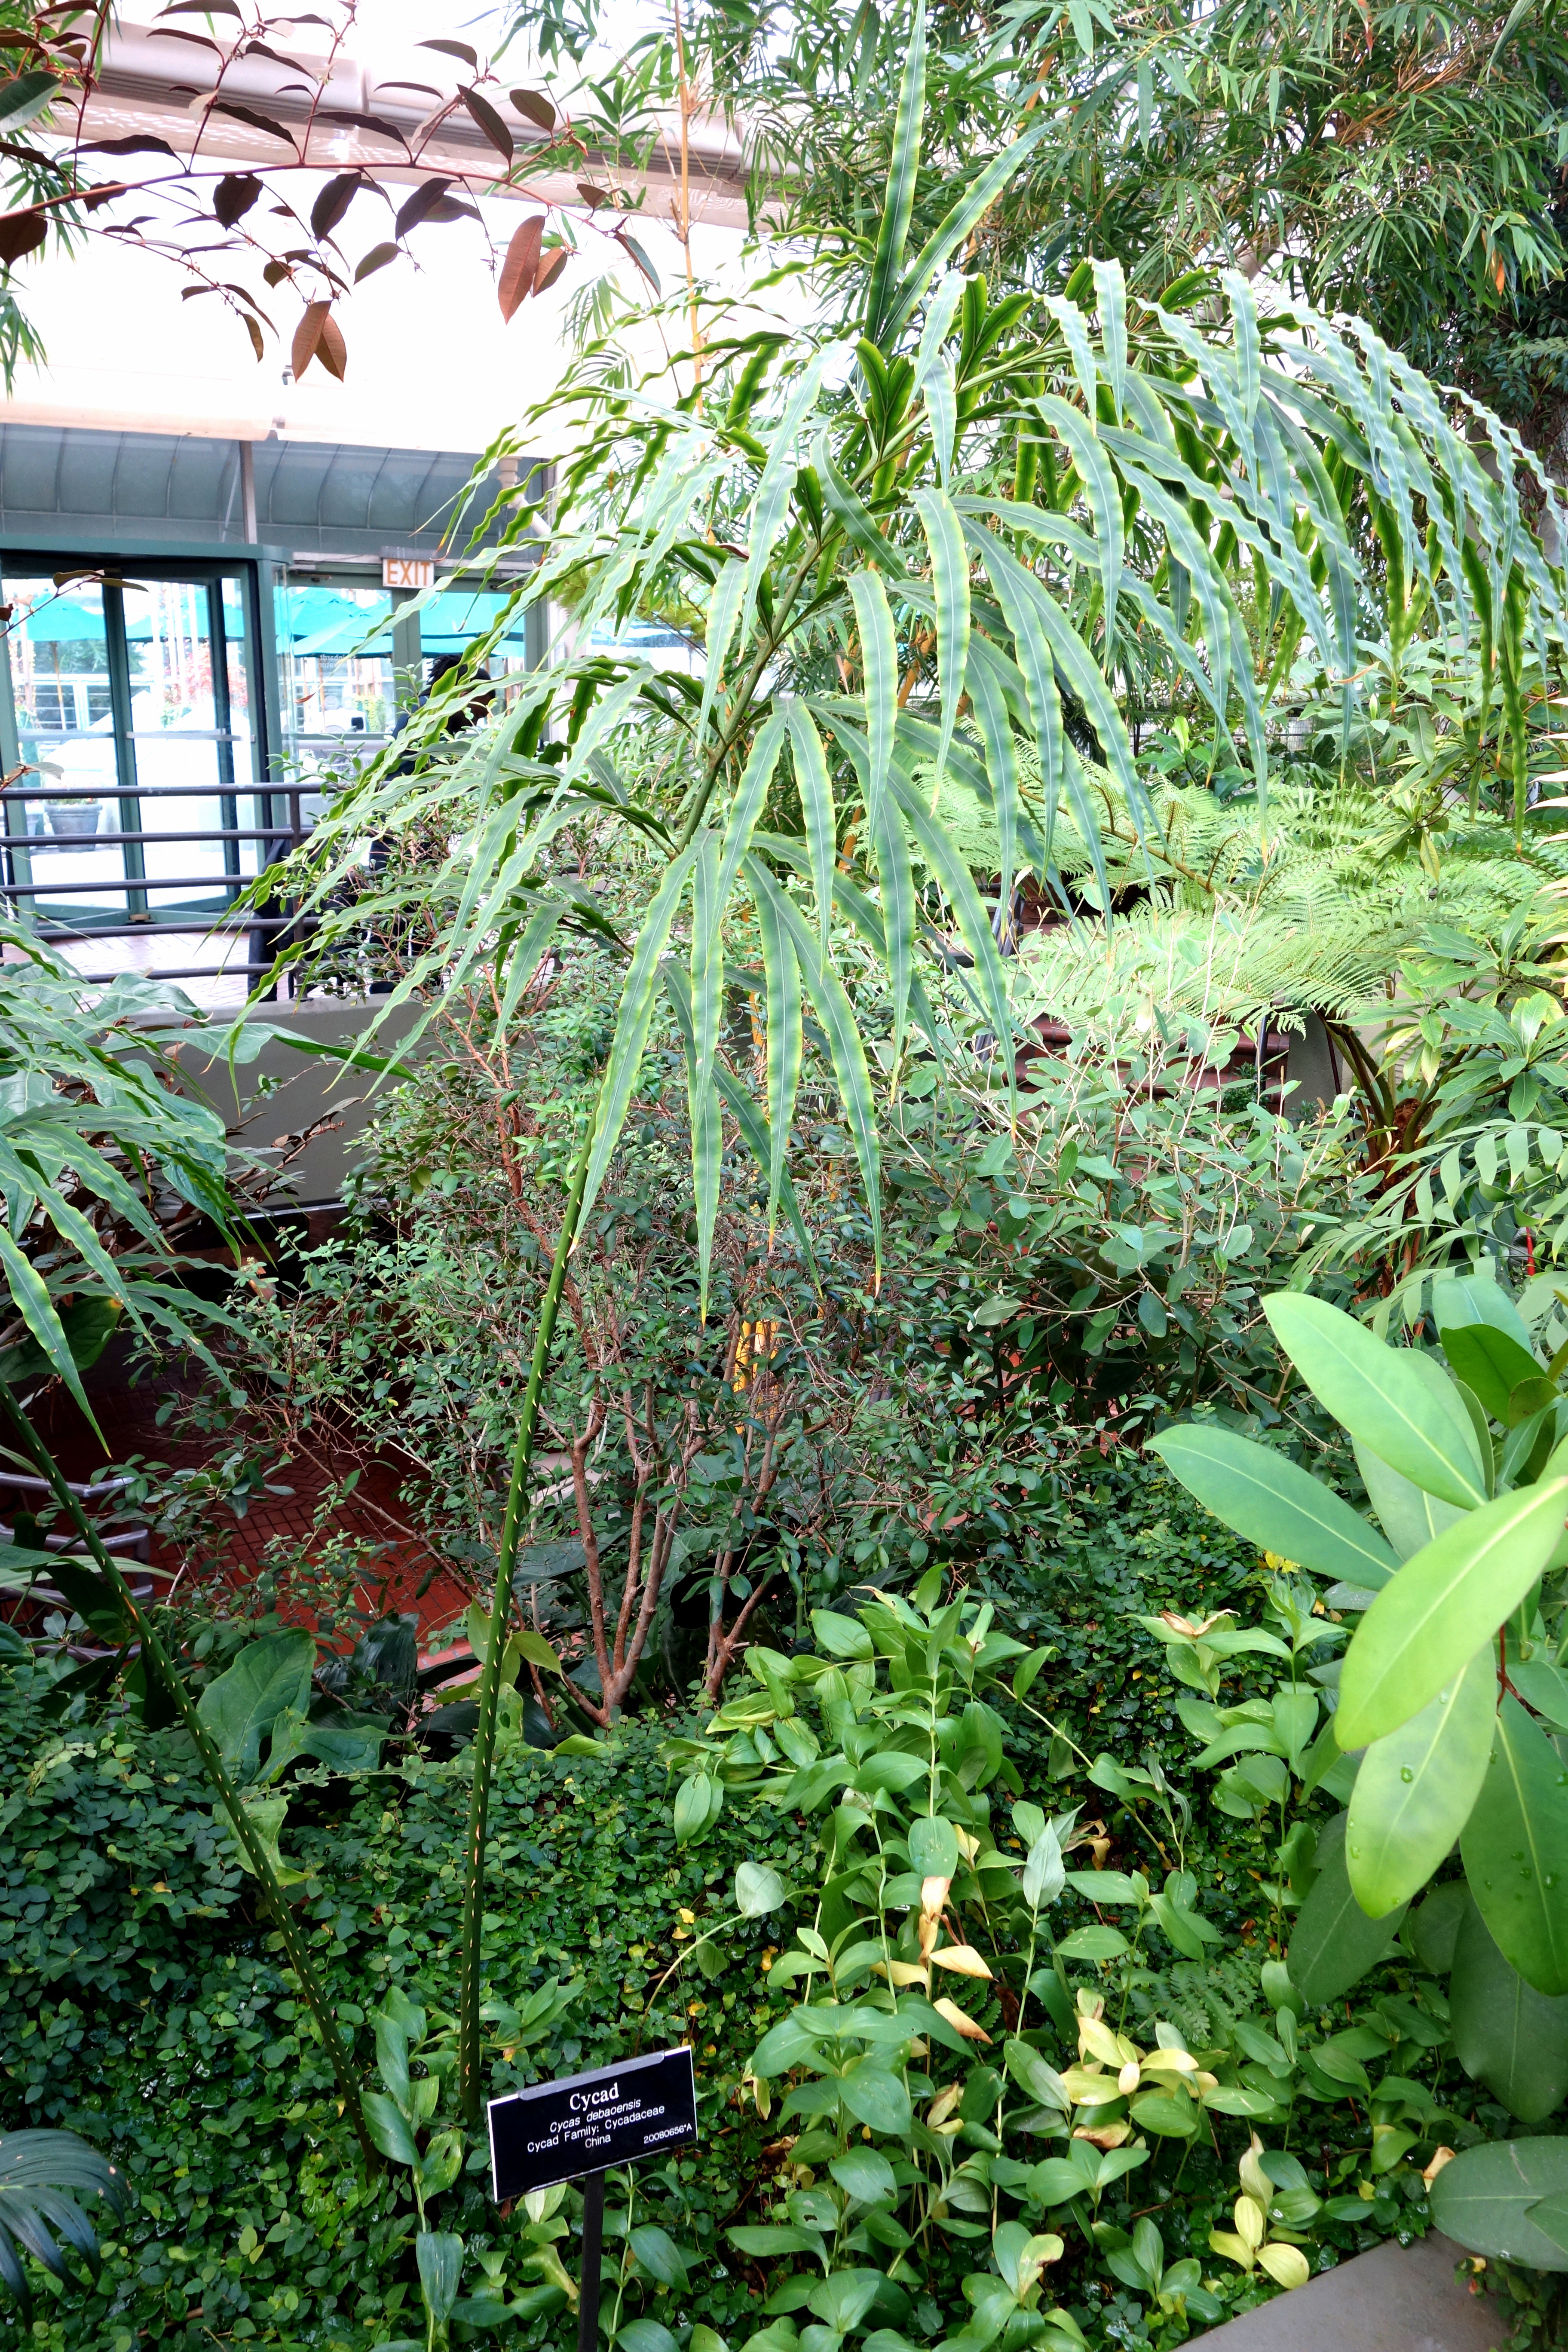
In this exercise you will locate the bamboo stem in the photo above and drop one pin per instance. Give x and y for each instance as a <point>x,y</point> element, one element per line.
<point>468,2039</point>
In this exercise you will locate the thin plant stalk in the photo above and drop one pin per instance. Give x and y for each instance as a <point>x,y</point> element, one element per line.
<point>468,2039</point>
<point>156,1660</point>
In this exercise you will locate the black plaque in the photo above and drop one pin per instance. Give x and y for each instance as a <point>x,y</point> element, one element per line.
<point>592,2123</point>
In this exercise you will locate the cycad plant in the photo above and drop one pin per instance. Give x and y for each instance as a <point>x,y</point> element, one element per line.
<point>952,544</point>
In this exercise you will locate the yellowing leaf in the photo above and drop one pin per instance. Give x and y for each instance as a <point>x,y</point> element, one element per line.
<point>962,1959</point>
<point>956,2016</point>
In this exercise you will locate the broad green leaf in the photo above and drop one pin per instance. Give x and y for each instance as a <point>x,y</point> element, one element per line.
<point>864,2176</point>
<point>766,2240</point>
<point>1490,1362</point>
<point>1482,2201</point>
<point>933,1847</point>
<point>269,1675</point>
<point>1415,1789</point>
<point>1424,1628</point>
<point>1410,1517</point>
<point>389,2129</point>
<point>658,2256</point>
<point>1275,1504</point>
<point>840,1636</point>
<point>898,204</point>
<point>439,2254</point>
<point>844,2298</point>
<point>1093,1944</point>
<point>631,1022</point>
<point>1506,2034</point>
<point>758,1890</point>
<point>1542,1687</point>
<point>1515,1850</point>
<point>950,582</point>
<point>1471,1301</point>
<point>1434,1925</point>
<point>697,1801</point>
<point>1390,1399</point>
<point>877,2098</point>
<point>1334,1942</point>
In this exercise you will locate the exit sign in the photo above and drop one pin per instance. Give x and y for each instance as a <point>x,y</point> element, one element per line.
<point>408,571</point>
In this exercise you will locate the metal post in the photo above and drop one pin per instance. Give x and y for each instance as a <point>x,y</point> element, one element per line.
<point>593,2243</point>
<point>247,491</point>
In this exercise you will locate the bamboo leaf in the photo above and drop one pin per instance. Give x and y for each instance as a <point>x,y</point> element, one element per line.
<point>879,666</point>
<point>849,1055</point>
<point>972,922</point>
<point>30,1297</point>
<point>778,474</point>
<point>950,232</point>
<point>898,204</point>
<point>781,972</point>
<point>1110,295</point>
<point>816,789</point>
<point>723,611</point>
<point>636,1013</point>
<point>1104,497</point>
<point>950,579</point>
<point>934,380</point>
<point>707,1004</point>
<point>754,1127</point>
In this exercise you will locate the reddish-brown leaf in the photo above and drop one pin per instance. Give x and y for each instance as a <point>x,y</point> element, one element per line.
<point>308,334</point>
<point>551,268</point>
<point>136,142</point>
<point>490,122</point>
<point>234,195</point>
<point>254,331</point>
<point>520,265</point>
<point>420,206</point>
<point>534,107</point>
<point>592,196</point>
<point>376,259</point>
<point>21,233</point>
<point>453,49</point>
<point>332,351</point>
<point>332,203</point>
<point>248,114</point>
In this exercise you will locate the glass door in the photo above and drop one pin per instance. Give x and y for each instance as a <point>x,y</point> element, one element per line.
<point>136,700</point>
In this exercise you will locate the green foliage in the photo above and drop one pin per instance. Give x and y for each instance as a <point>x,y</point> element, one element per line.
<point>39,2170</point>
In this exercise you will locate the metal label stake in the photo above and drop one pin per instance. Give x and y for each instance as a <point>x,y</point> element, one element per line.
<point>593,2246</point>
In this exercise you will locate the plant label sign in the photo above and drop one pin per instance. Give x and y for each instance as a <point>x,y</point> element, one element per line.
<point>592,2123</point>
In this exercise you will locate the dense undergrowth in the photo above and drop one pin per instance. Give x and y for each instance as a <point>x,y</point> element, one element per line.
<point>147,2007</point>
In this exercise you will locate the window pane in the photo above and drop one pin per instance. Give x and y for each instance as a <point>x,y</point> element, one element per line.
<point>59,672</point>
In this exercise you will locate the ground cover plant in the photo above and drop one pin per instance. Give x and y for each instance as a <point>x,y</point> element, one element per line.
<point>135,1953</point>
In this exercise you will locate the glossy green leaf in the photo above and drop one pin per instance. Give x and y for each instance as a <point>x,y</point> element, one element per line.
<point>1490,1362</point>
<point>1334,1942</point>
<point>1506,2034</point>
<point>1433,1926</point>
<point>1515,1850</point>
<point>1482,2201</point>
<point>1391,1399</point>
<point>1424,1628</point>
<point>758,1890</point>
<point>1415,1789</point>
<point>876,2097</point>
<point>933,1847</point>
<point>1093,1944</point>
<point>1410,1518</point>
<point>1460,1300</point>
<point>241,1705</point>
<point>1275,1504</point>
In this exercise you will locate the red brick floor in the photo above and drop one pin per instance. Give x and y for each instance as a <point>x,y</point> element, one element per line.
<point>404,1575</point>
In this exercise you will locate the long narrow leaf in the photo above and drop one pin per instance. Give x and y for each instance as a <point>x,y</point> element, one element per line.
<point>879,667</point>
<point>950,579</point>
<point>816,789</point>
<point>898,207</point>
<point>636,1013</point>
